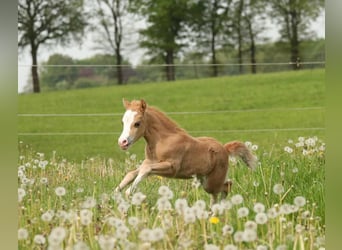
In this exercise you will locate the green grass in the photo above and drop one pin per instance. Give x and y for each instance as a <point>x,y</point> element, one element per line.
<point>278,91</point>
<point>89,167</point>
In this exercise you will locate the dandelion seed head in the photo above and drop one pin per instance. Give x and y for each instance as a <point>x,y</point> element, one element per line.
<point>249,235</point>
<point>123,207</point>
<point>261,218</point>
<point>288,150</point>
<point>80,245</point>
<point>122,232</point>
<point>238,236</point>
<point>133,221</point>
<point>106,242</point>
<point>251,225</point>
<point>272,213</point>
<point>242,212</point>
<point>230,247</point>
<point>181,205</point>
<point>163,204</point>
<point>145,234</point>
<point>299,201</point>
<point>261,247</point>
<point>138,198</point>
<point>200,204</point>
<point>47,216</point>
<point>299,228</point>
<point>90,202</point>
<point>21,194</point>
<point>39,239</point>
<point>254,147</point>
<point>165,191</point>
<point>278,189</point>
<point>259,207</point>
<point>281,247</point>
<point>60,191</point>
<point>56,236</point>
<point>237,199</point>
<point>226,204</point>
<point>22,234</point>
<point>217,209</point>
<point>211,247</point>
<point>227,229</point>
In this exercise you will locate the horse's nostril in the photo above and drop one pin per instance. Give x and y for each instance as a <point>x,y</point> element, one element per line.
<point>124,142</point>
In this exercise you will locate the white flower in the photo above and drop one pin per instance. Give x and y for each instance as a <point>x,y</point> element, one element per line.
<point>138,198</point>
<point>261,247</point>
<point>47,216</point>
<point>238,236</point>
<point>200,204</point>
<point>248,144</point>
<point>163,204</point>
<point>230,247</point>
<point>123,207</point>
<point>242,212</point>
<point>21,194</point>
<point>217,209</point>
<point>254,147</point>
<point>251,225</point>
<point>122,232</point>
<point>272,213</point>
<point>299,201</point>
<point>189,215</point>
<point>165,191</point>
<point>211,247</point>
<point>278,189</point>
<point>202,214</point>
<point>288,149</point>
<point>281,247</point>
<point>261,218</point>
<point>310,142</point>
<point>249,235</point>
<point>60,191</point>
<point>39,239</point>
<point>133,221</point>
<point>181,205</point>
<point>90,202</point>
<point>80,245</point>
<point>22,234</point>
<point>106,242</point>
<point>226,204</point>
<point>259,207</point>
<point>157,234</point>
<point>195,182</point>
<point>145,234</point>
<point>227,229</point>
<point>44,180</point>
<point>237,199</point>
<point>299,228</point>
<point>56,236</point>
<point>86,217</point>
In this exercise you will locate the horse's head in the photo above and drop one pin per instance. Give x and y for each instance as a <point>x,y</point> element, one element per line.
<point>133,122</point>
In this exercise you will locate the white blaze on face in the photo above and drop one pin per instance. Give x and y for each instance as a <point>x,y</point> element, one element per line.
<point>127,121</point>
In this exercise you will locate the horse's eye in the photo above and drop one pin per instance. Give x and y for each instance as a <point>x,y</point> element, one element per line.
<point>137,124</point>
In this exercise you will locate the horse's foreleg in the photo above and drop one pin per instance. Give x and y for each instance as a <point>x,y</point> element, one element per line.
<point>147,169</point>
<point>129,177</point>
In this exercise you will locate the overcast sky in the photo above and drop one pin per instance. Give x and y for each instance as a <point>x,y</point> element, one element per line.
<point>134,56</point>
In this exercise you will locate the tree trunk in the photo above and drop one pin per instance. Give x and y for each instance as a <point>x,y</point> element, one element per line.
<point>294,41</point>
<point>119,70</point>
<point>240,36</point>
<point>170,72</point>
<point>34,70</point>
<point>252,47</point>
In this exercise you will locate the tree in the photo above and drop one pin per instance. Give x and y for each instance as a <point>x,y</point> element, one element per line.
<point>44,21</point>
<point>162,38</point>
<point>294,16</point>
<point>110,14</point>
<point>209,20</point>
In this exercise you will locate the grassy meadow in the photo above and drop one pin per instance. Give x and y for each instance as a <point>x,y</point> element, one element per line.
<point>66,182</point>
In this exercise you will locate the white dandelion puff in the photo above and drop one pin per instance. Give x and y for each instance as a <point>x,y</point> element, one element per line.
<point>133,221</point>
<point>200,204</point>
<point>278,189</point>
<point>261,218</point>
<point>299,201</point>
<point>227,229</point>
<point>22,234</point>
<point>211,247</point>
<point>21,194</point>
<point>60,191</point>
<point>163,204</point>
<point>238,236</point>
<point>237,199</point>
<point>39,239</point>
<point>165,191</point>
<point>138,198</point>
<point>181,205</point>
<point>56,236</point>
<point>259,207</point>
<point>106,242</point>
<point>242,212</point>
<point>251,225</point>
<point>230,247</point>
<point>90,202</point>
<point>288,149</point>
<point>145,234</point>
<point>47,216</point>
<point>272,213</point>
<point>80,245</point>
<point>249,235</point>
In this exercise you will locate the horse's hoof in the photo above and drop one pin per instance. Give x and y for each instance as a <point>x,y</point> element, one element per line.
<point>117,190</point>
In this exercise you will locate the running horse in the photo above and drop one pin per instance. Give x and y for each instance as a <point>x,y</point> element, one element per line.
<point>171,152</point>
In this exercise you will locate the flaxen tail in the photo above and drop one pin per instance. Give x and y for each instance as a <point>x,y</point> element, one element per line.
<point>236,148</point>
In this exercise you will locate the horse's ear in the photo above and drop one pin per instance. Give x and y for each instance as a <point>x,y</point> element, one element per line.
<point>125,103</point>
<point>143,105</point>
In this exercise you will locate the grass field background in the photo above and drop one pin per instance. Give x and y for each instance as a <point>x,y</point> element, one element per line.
<point>66,182</point>
<point>267,101</point>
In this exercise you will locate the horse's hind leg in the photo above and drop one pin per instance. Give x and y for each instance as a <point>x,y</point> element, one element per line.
<point>226,188</point>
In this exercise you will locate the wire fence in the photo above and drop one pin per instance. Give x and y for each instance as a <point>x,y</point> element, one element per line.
<point>96,133</point>
<point>70,76</point>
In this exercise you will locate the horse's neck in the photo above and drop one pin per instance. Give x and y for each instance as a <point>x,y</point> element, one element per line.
<point>159,127</point>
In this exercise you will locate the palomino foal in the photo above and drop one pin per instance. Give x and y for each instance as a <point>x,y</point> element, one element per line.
<point>171,152</point>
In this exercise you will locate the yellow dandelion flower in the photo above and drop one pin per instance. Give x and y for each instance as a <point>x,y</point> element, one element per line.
<point>214,220</point>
